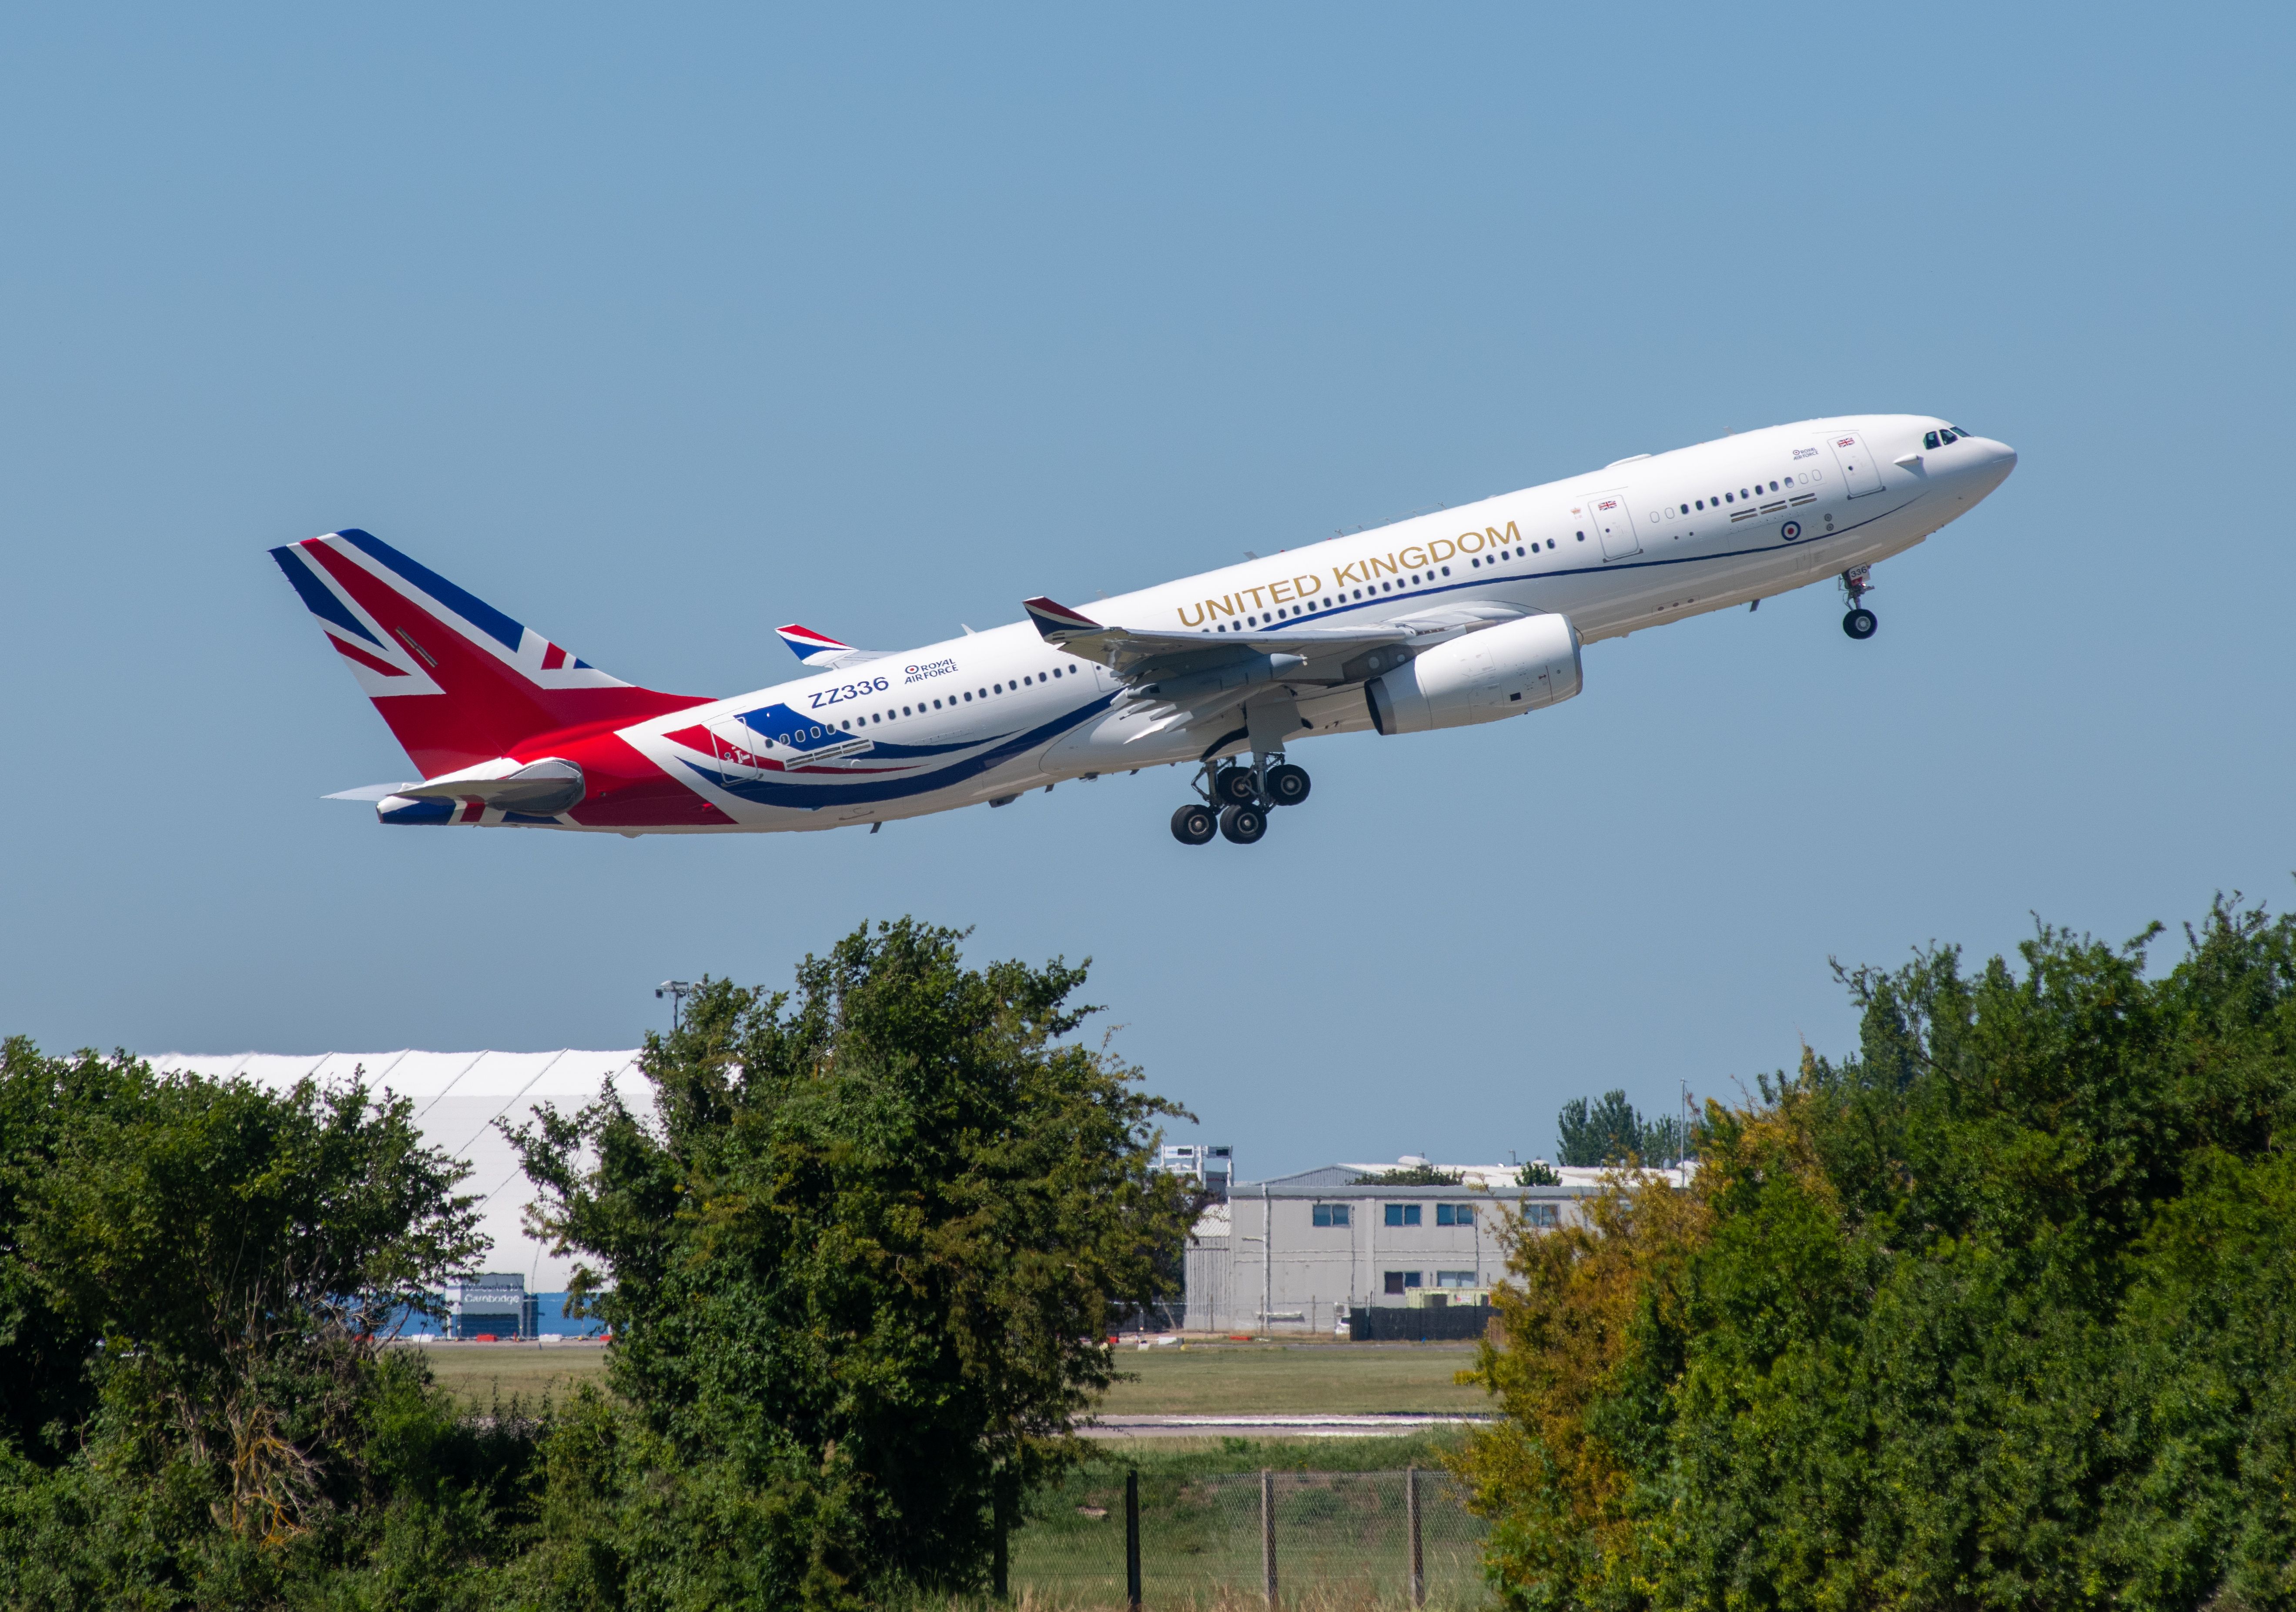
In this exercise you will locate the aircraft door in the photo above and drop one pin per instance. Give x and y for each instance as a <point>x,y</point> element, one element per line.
<point>1615,524</point>
<point>735,743</point>
<point>1860,474</point>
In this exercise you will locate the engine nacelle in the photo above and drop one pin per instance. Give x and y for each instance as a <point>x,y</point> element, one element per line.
<point>1501,671</point>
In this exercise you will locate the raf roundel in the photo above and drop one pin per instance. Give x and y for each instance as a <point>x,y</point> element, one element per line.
<point>1790,531</point>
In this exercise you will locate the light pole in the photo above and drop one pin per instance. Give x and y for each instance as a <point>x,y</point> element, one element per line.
<point>677,990</point>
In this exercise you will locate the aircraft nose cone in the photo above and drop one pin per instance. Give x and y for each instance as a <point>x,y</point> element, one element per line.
<point>1995,461</point>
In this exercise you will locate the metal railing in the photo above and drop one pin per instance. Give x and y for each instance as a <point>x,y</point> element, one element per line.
<point>1274,1539</point>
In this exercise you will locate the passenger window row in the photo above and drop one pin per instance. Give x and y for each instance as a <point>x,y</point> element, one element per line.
<point>1749,494</point>
<point>852,723</point>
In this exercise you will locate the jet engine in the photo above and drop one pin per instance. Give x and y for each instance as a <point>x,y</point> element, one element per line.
<point>1501,671</point>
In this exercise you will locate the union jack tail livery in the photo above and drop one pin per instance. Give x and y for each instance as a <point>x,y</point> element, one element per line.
<point>462,685</point>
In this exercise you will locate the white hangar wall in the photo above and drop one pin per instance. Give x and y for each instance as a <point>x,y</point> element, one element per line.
<point>458,1097</point>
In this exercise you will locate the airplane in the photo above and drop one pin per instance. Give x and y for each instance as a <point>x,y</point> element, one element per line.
<point>1470,615</point>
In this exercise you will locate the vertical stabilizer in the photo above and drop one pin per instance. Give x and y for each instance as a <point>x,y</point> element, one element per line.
<point>459,682</point>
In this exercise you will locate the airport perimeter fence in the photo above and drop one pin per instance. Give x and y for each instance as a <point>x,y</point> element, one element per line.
<point>1306,1540</point>
<point>1164,1317</point>
<point>1449,1323</point>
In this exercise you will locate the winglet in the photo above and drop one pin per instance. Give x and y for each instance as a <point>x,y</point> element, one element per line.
<point>1057,622</point>
<point>806,643</point>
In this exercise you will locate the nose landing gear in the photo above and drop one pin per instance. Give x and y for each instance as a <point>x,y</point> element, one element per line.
<point>1857,582</point>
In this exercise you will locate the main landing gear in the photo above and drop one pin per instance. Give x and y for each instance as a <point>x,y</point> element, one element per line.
<point>1857,582</point>
<point>1242,824</point>
<point>1193,823</point>
<point>1235,802</point>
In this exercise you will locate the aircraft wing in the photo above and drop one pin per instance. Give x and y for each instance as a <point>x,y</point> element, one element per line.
<point>822,652</point>
<point>1127,650</point>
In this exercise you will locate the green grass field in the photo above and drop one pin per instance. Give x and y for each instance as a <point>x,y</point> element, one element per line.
<point>1200,1379</point>
<point>1335,1378</point>
<point>1340,1526</point>
<point>486,1375</point>
<point>1340,1538</point>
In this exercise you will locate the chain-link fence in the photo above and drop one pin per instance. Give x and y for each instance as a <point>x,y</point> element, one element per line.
<point>1301,1540</point>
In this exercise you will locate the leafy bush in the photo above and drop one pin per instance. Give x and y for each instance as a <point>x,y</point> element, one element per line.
<point>1411,1176</point>
<point>2000,1312</point>
<point>1610,1131</point>
<point>197,1411</point>
<point>861,1264</point>
<point>862,1254</point>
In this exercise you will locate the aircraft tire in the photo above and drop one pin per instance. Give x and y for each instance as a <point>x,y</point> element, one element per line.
<point>1287,785</point>
<point>1237,786</point>
<point>1860,623</point>
<point>1193,825</point>
<point>1242,824</point>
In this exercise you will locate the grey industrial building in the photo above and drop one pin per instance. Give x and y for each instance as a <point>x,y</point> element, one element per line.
<point>1300,1252</point>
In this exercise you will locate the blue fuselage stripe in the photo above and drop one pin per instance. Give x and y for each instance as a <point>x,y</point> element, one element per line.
<point>813,797</point>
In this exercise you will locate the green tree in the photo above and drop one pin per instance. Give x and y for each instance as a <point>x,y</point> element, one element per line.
<point>197,1272</point>
<point>861,1258</point>
<point>1537,1173</point>
<point>1411,1176</point>
<point>1609,1131</point>
<point>1999,1313</point>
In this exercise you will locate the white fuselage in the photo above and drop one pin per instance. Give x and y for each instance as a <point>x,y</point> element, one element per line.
<point>1637,543</point>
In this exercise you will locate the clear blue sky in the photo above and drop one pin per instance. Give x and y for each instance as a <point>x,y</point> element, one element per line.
<point>658,330</point>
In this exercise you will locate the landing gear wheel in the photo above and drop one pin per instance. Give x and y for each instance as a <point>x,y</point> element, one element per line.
<point>1242,824</point>
<point>1236,786</point>
<point>1287,785</point>
<point>1193,825</point>
<point>1860,623</point>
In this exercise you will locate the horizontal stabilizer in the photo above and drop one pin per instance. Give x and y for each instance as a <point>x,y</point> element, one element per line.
<point>545,787</point>
<point>369,792</point>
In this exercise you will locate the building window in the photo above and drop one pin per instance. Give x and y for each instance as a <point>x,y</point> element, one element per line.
<point>1403,1215</point>
<point>1455,1279</point>
<point>1399,1280</point>
<point>1455,1214</point>
<point>1333,1214</point>
<point>1547,1214</point>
